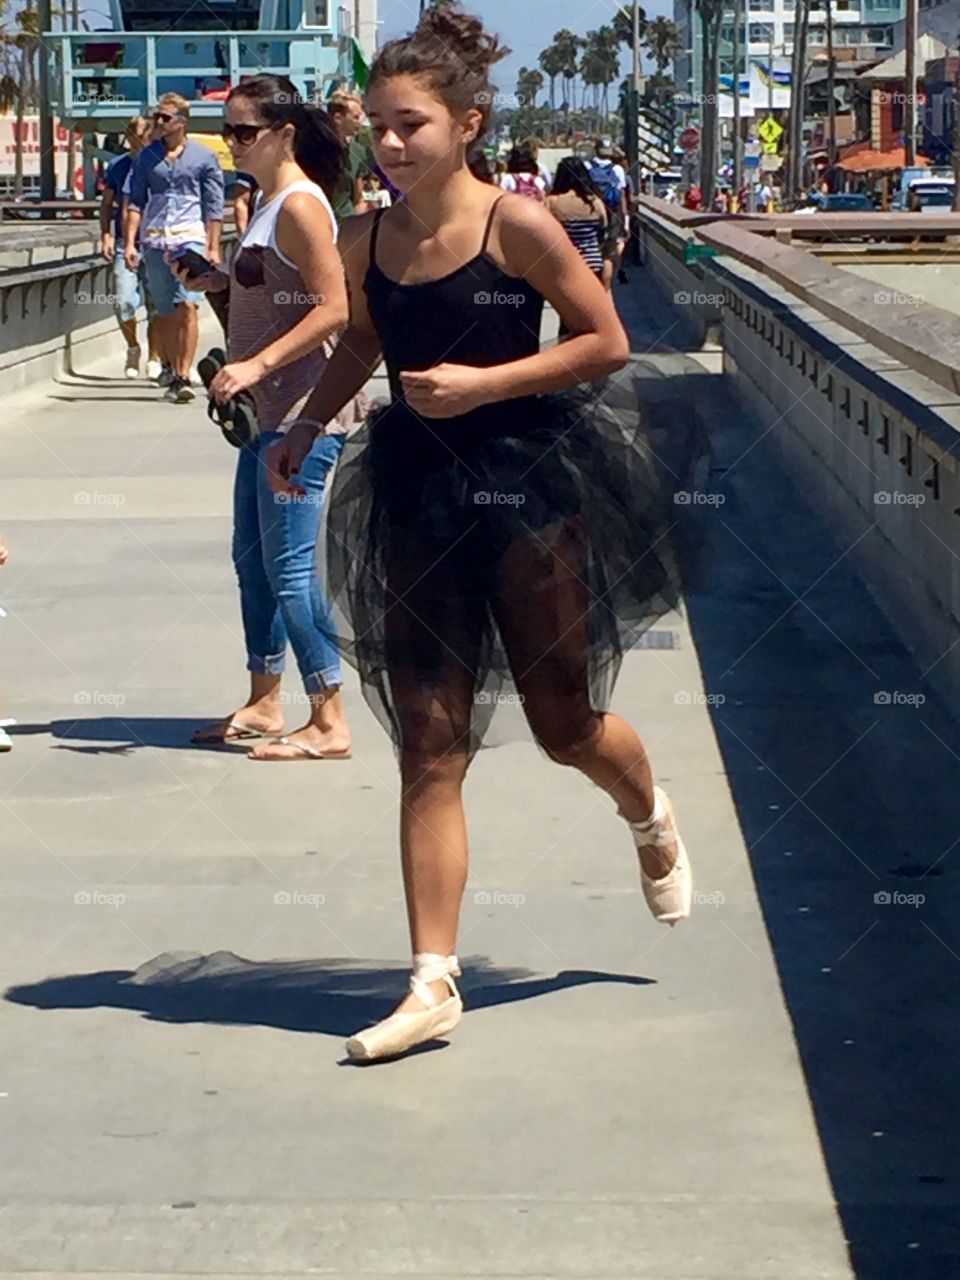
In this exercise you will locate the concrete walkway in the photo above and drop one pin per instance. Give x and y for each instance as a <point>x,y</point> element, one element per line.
<point>187,938</point>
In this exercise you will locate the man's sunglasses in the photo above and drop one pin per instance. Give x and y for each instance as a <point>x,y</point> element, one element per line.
<point>245,134</point>
<point>164,117</point>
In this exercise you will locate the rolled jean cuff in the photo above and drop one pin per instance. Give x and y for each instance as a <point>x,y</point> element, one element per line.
<point>272,665</point>
<point>322,681</point>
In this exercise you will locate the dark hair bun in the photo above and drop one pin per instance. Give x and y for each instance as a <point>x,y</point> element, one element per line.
<point>464,34</point>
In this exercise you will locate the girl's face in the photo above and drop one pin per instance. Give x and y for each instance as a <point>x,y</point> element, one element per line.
<point>417,142</point>
<point>255,147</point>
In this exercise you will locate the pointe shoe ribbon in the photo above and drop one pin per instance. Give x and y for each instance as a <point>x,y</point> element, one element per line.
<point>669,897</point>
<point>404,1031</point>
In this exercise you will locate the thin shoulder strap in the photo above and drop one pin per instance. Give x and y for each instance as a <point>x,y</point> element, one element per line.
<point>377,215</point>
<point>486,232</point>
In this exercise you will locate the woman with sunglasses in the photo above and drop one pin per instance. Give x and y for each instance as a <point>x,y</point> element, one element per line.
<point>287,300</point>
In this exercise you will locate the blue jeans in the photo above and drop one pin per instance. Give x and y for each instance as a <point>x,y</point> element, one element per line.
<point>274,554</point>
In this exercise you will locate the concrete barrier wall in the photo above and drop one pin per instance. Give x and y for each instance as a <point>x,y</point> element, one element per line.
<point>695,296</point>
<point>64,321</point>
<point>874,445</point>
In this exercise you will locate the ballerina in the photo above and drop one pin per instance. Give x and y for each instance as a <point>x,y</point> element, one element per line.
<point>495,524</point>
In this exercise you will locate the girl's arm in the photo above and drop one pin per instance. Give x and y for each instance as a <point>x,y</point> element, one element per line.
<point>305,236</point>
<point>537,248</point>
<point>354,359</point>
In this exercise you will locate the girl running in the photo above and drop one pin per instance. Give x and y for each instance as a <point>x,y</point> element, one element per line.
<point>486,527</point>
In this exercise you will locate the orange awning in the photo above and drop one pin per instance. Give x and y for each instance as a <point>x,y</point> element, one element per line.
<point>861,158</point>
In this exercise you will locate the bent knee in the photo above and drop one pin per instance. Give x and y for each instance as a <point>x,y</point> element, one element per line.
<point>571,744</point>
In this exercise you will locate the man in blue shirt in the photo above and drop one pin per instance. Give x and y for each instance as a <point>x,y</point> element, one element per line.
<point>128,286</point>
<point>176,203</point>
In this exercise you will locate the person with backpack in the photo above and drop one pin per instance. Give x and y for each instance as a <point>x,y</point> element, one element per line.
<point>610,181</point>
<point>523,175</point>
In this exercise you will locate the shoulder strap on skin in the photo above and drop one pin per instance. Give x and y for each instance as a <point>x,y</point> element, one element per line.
<point>377,215</point>
<point>486,231</point>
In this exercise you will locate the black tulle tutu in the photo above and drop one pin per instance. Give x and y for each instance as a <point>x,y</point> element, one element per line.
<point>509,555</point>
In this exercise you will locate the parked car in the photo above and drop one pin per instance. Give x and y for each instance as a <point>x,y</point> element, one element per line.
<point>930,197</point>
<point>846,202</point>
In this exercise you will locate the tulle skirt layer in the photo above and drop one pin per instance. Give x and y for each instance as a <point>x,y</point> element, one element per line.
<point>512,555</point>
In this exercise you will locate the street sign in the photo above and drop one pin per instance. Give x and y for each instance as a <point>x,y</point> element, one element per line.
<point>751,161</point>
<point>770,131</point>
<point>690,139</point>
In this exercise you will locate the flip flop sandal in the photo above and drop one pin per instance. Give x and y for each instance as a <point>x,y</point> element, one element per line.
<point>6,742</point>
<point>309,753</point>
<point>241,734</point>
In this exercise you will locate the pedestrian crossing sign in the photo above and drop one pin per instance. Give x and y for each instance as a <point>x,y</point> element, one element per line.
<point>770,132</point>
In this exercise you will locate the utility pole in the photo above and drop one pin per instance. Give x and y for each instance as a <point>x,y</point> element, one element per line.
<point>633,114</point>
<point>910,106</point>
<point>737,131</point>
<point>48,185</point>
<point>831,96</point>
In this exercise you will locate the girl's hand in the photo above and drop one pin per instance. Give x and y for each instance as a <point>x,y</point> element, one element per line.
<point>445,391</point>
<point>237,376</point>
<point>286,457</point>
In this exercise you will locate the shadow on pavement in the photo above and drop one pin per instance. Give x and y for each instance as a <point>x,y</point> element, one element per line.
<point>334,997</point>
<point>842,764</point>
<point>115,735</point>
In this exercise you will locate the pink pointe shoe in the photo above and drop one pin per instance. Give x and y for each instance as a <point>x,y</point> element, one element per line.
<point>404,1031</point>
<point>669,897</point>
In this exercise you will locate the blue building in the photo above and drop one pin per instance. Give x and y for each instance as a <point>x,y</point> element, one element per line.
<point>99,79</point>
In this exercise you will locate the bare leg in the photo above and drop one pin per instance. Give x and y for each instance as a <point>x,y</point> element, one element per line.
<point>542,612</point>
<point>187,338</point>
<point>129,330</point>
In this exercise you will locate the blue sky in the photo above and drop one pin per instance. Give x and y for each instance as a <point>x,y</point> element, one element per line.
<point>525,25</point>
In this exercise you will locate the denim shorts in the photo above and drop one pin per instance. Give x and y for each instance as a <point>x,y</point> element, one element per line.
<point>129,288</point>
<point>165,289</point>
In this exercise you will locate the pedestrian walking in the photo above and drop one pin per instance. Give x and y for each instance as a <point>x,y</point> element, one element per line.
<point>287,299</point>
<point>523,175</point>
<point>610,179</point>
<point>129,287</point>
<point>494,526</point>
<point>176,204</point>
<point>579,209</point>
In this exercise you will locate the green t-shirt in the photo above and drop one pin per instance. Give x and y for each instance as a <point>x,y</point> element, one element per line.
<point>357,164</point>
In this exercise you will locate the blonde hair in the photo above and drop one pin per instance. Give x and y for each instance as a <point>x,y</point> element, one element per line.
<point>138,127</point>
<point>340,99</point>
<point>179,103</point>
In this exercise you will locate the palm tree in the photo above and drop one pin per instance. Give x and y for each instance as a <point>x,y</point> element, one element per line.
<point>662,42</point>
<point>711,17</point>
<point>529,84</point>
<point>623,25</point>
<point>568,46</point>
<point>551,63</point>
